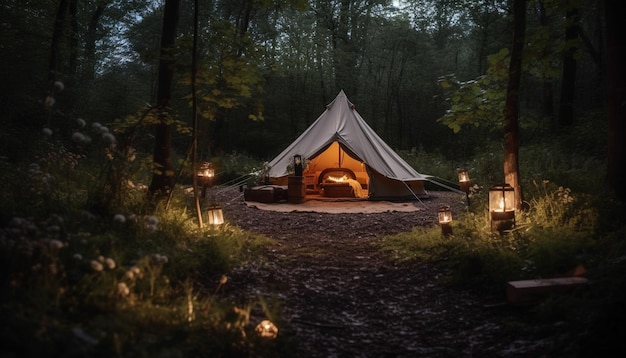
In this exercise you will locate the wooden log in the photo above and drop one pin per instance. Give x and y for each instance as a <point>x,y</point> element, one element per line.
<point>528,292</point>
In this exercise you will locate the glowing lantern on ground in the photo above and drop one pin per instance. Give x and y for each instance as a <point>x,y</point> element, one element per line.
<point>266,329</point>
<point>216,216</point>
<point>464,179</point>
<point>444,215</point>
<point>502,207</point>
<point>205,174</point>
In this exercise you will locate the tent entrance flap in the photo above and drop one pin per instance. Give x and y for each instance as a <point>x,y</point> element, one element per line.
<point>335,157</point>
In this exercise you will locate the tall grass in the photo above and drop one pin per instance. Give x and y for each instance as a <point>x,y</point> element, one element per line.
<point>91,266</point>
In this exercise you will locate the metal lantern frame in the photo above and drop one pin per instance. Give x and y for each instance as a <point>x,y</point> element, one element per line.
<point>206,173</point>
<point>444,215</point>
<point>297,165</point>
<point>502,207</point>
<point>215,215</point>
<point>464,179</point>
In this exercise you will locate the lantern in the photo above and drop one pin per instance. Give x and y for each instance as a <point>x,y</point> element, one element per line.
<point>266,329</point>
<point>464,179</point>
<point>205,175</point>
<point>502,207</point>
<point>206,171</point>
<point>445,218</point>
<point>297,165</point>
<point>215,215</point>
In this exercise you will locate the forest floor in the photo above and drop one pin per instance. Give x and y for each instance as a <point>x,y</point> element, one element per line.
<point>341,296</point>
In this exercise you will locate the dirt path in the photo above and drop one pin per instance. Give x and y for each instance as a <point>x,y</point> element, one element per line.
<point>342,297</point>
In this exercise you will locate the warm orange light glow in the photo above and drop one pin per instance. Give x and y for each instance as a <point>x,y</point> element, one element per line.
<point>502,207</point>
<point>266,329</point>
<point>216,217</point>
<point>337,179</point>
<point>206,170</point>
<point>501,198</point>
<point>444,214</point>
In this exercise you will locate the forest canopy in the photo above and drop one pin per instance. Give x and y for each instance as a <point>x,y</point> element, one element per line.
<point>418,70</point>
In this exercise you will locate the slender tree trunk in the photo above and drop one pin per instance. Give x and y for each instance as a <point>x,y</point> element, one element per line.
<point>511,110</point>
<point>616,98</point>
<point>194,100</point>
<point>163,170</point>
<point>74,39</point>
<point>547,93</point>
<point>53,64</point>
<point>90,41</point>
<point>566,109</point>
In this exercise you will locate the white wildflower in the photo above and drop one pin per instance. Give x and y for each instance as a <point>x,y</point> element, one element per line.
<point>134,272</point>
<point>108,138</point>
<point>152,220</point>
<point>78,257</point>
<point>110,263</point>
<point>56,244</point>
<point>47,131</point>
<point>119,218</point>
<point>80,122</point>
<point>96,266</point>
<point>59,86</point>
<point>130,275</point>
<point>49,101</point>
<point>78,137</point>
<point>161,259</point>
<point>103,129</point>
<point>122,289</point>
<point>96,126</point>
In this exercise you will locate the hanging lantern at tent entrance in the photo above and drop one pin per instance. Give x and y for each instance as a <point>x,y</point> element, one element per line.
<point>297,165</point>
<point>502,207</point>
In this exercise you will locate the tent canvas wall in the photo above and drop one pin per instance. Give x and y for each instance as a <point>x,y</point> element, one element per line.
<point>340,138</point>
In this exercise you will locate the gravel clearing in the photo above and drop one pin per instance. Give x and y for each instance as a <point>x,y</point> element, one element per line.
<point>340,296</point>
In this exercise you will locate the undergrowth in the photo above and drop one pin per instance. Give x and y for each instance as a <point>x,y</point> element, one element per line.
<point>90,265</point>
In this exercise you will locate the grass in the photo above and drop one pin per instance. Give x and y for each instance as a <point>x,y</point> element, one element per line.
<point>560,230</point>
<point>91,267</point>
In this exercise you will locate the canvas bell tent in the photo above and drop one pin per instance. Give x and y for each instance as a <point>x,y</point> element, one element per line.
<point>339,143</point>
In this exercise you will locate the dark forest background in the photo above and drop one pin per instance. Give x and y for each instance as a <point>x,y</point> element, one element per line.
<point>106,102</point>
<point>418,71</point>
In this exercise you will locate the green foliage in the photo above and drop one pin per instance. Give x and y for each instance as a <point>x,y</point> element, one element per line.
<point>114,284</point>
<point>478,102</point>
<point>557,232</point>
<point>229,73</point>
<point>91,266</point>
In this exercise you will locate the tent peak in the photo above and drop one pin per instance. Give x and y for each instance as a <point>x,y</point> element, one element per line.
<point>341,94</point>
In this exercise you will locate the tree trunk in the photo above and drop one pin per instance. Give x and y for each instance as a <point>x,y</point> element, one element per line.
<point>547,93</point>
<point>163,170</point>
<point>568,82</point>
<point>59,22</point>
<point>90,42</point>
<point>511,120</point>
<point>616,97</point>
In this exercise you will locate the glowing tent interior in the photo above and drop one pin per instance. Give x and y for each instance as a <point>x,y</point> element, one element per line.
<point>341,147</point>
